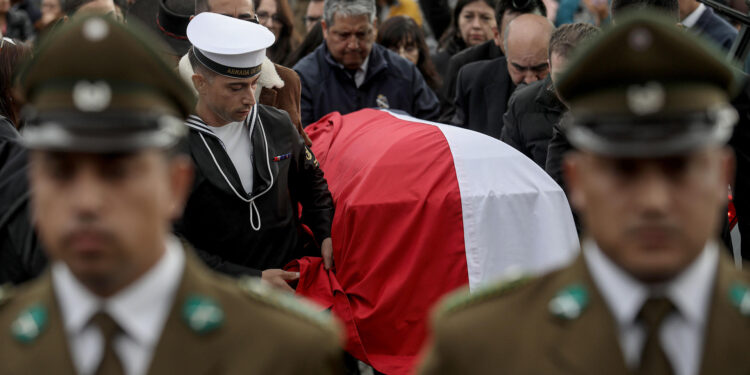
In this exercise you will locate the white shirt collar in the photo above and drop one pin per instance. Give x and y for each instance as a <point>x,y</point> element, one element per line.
<point>693,17</point>
<point>689,291</point>
<point>140,309</point>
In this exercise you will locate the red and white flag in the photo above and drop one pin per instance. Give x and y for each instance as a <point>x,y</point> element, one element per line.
<point>422,209</point>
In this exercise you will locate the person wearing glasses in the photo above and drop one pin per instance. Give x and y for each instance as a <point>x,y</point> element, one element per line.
<point>349,71</point>
<point>314,14</point>
<point>277,17</point>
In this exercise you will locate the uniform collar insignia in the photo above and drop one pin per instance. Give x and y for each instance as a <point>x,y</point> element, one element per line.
<point>29,324</point>
<point>739,294</point>
<point>202,314</point>
<point>570,302</point>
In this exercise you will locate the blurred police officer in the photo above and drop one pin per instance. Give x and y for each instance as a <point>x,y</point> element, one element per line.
<point>253,170</point>
<point>122,296</point>
<point>651,292</point>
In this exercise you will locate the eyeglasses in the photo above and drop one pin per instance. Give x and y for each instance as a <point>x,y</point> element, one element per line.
<point>245,17</point>
<point>312,19</point>
<point>264,16</point>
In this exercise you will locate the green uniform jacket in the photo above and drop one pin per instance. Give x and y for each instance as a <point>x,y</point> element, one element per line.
<point>261,332</point>
<point>510,330</point>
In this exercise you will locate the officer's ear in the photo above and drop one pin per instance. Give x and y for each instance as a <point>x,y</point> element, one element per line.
<point>727,165</point>
<point>181,175</point>
<point>572,174</point>
<point>324,26</point>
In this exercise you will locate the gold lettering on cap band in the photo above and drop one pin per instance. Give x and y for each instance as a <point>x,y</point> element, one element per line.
<point>223,69</point>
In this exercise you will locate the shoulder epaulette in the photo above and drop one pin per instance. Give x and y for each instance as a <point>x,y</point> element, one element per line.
<point>288,302</point>
<point>6,292</point>
<point>462,298</point>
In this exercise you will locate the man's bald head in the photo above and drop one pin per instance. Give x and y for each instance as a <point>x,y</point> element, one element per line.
<point>526,42</point>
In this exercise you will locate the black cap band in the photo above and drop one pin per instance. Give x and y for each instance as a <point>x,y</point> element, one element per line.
<point>224,70</point>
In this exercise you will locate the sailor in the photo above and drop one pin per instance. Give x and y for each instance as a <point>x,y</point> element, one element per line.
<point>253,171</point>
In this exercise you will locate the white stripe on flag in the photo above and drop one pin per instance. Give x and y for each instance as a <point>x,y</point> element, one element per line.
<point>516,218</point>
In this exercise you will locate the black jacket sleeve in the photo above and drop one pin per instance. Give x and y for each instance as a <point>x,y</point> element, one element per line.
<point>558,146</point>
<point>510,133</point>
<point>460,105</point>
<point>311,188</point>
<point>232,269</point>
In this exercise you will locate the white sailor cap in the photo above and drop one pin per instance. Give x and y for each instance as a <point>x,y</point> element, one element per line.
<point>228,46</point>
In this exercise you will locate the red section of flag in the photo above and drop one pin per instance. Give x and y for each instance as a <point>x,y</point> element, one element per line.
<point>397,234</point>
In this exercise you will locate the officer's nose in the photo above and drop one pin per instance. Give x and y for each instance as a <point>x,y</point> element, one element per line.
<point>87,194</point>
<point>653,193</point>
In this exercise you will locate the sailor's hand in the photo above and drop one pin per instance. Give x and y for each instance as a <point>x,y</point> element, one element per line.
<point>278,278</point>
<point>326,250</point>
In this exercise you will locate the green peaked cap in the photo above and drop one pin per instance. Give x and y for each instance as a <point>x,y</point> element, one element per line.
<point>644,46</point>
<point>647,87</point>
<point>95,84</point>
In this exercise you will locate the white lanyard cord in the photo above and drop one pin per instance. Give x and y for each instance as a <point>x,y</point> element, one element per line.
<point>253,207</point>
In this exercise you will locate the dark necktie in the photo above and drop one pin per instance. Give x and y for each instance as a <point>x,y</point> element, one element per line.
<point>653,359</point>
<point>110,363</point>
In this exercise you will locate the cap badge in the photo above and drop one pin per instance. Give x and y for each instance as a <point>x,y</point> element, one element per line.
<point>570,302</point>
<point>95,29</point>
<point>92,96</point>
<point>29,324</point>
<point>202,314</point>
<point>640,39</point>
<point>646,99</point>
<point>382,102</point>
<point>739,294</point>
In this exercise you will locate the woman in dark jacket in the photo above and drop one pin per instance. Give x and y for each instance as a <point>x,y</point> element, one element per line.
<point>471,24</point>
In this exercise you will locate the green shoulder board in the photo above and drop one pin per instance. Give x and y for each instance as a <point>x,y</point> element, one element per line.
<point>462,298</point>
<point>288,302</point>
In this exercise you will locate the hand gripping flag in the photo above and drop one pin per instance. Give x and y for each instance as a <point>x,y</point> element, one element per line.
<point>421,209</point>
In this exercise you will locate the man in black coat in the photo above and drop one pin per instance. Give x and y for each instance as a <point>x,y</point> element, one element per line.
<point>534,109</point>
<point>484,87</point>
<point>21,257</point>
<point>505,11</point>
<point>252,167</point>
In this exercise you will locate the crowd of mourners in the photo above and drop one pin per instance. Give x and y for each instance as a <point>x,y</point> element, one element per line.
<point>252,197</point>
<point>469,63</point>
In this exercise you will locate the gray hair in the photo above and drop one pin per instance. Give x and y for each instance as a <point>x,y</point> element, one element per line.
<point>348,8</point>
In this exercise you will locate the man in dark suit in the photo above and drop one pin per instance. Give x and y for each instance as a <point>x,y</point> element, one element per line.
<point>484,87</point>
<point>651,292</point>
<point>703,21</point>
<point>505,11</point>
<point>123,296</point>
